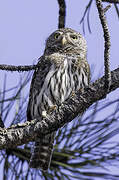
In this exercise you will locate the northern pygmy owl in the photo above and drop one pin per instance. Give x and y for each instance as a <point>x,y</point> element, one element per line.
<point>62,69</point>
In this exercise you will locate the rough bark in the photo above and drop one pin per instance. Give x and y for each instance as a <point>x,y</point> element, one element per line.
<point>107,43</point>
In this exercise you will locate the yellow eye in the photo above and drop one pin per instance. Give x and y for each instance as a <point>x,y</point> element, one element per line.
<point>56,36</point>
<point>74,37</point>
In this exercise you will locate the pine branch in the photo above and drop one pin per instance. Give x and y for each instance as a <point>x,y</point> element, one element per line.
<point>23,133</point>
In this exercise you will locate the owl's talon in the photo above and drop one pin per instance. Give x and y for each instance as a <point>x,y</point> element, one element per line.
<point>44,114</point>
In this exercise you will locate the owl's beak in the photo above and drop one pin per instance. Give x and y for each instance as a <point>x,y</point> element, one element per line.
<point>64,41</point>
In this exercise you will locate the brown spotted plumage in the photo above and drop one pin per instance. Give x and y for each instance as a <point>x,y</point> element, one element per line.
<point>63,69</point>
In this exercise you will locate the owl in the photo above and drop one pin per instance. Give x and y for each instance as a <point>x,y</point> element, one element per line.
<point>62,70</point>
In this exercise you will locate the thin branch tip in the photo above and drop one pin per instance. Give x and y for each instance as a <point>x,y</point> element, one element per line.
<point>107,8</point>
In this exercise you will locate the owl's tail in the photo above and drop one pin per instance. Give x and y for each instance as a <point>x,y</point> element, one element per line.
<point>42,152</point>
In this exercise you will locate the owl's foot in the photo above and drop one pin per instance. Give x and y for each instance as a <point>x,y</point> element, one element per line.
<point>44,114</point>
<point>51,109</point>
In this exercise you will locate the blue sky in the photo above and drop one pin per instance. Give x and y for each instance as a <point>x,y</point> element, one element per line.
<point>25,25</point>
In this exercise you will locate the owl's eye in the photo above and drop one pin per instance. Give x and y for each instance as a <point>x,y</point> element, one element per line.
<point>74,37</point>
<point>56,36</point>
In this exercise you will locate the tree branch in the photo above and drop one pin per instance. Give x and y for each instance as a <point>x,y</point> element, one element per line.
<point>17,68</point>
<point>102,17</point>
<point>62,13</point>
<point>23,133</point>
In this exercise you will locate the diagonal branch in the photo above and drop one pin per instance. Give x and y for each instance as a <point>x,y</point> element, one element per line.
<point>23,133</point>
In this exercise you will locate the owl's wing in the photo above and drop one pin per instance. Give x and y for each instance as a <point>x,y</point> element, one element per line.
<point>42,151</point>
<point>37,82</point>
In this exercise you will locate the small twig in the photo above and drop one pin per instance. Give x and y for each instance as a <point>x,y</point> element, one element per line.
<point>62,13</point>
<point>111,1</point>
<point>17,68</point>
<point>107,8</point>
<point>107,43</point>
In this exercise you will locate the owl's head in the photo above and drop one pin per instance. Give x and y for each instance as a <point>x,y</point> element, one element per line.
<point>66,41</point>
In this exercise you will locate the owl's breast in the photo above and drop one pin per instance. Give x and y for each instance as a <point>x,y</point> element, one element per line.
<point>62,80</point>
<point>59,83</point>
